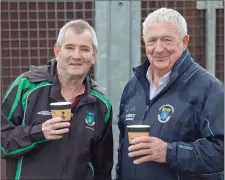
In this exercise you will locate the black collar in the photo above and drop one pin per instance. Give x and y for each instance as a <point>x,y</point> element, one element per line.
<point>55,92</point>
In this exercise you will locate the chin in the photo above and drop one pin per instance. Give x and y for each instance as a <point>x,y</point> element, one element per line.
<point>161,66</point>
<point>76,73</point>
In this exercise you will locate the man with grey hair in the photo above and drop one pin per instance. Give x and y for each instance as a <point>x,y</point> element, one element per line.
<point>39,146</point>
<point>182,103</point>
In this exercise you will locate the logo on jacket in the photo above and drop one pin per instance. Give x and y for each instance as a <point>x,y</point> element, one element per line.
<point>45,113</point>
<point>165,112</point>
<point>90,118</point>
<point>130,114</point>
<point>130,117</point>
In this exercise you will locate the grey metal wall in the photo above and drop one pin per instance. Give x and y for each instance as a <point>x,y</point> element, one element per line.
<point>117,27</point>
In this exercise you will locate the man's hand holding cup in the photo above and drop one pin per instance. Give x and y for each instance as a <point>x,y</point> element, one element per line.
<point>58,126</point>
<point>145,148</point>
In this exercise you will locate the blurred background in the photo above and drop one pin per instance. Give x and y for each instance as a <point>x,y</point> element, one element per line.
<point>29,29</point>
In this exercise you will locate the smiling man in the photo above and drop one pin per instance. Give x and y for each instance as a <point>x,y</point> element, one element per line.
<point>182,103</point>
<point>37,146</point>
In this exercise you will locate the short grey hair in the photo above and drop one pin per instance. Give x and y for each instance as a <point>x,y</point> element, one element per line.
<point>78,26</point>
<point>168,16</point>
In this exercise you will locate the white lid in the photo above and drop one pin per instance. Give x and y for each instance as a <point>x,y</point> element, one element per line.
<point>138,126</point>
<point>60,103</point>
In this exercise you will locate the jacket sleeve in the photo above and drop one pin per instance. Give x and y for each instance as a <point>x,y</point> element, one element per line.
<point>16,137</point>
<point>102,152</point>
<point>205,155</point>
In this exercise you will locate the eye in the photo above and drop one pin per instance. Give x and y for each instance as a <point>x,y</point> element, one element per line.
<point>69,47</point>
<point>167,40</point>
<point>151,41</point>
<point>84,49</point>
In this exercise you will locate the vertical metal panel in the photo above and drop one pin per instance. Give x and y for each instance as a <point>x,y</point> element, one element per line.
<point>135,34</point>
<point>120,50</point>
<point>102,27</point>
<point>210,37</point>
<point>117,24</point>
<point>118,32</point>
<point>220,44</point>
<point>211,29</point>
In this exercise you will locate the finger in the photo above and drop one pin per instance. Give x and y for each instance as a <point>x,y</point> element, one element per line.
<point>143,139</point>
<point>54,137</point>
<point>142,152</point>
<point>55,120</point>
<point>142,159</point>
<point>139,146</point>
<point>60,131</point>
<point>60,125</point>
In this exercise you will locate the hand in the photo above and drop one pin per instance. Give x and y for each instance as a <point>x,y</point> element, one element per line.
<point>149,148</point>
<point>55,128</point>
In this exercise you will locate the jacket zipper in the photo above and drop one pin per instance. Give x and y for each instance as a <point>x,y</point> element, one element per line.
<point>67,157</point>
<point>146,110</point>
<point>68,139</point>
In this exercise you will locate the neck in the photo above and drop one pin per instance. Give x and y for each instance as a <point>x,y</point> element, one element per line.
<point>70,83</point>
<point>156,75</point>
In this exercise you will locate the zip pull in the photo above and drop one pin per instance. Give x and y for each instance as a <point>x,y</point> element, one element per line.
<point>146,110</point>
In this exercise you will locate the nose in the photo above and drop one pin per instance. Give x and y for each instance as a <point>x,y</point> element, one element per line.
<point>76,54</point>
<point>159,46</point>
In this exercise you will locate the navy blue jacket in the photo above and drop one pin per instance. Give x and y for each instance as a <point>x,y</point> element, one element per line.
<point>188,114</point>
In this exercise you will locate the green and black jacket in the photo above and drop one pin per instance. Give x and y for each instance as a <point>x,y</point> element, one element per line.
<point>85,153</point>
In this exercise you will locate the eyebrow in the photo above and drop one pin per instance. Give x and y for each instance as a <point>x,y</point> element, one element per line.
<point>75,45</point>
<point>167,36</point>
<point>69,45</point>
<point>164,36</point>
<point>85,46</point>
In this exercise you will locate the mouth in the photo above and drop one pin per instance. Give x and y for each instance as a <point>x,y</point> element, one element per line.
<point>160,58</point>
<point>75,64</point>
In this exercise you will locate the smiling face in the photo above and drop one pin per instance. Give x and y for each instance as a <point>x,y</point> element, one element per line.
<point>164,45</point>
<point>76,54</point>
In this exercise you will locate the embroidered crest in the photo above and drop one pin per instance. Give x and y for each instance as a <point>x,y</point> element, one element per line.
<point>90,118</point>
<point>165,112</point>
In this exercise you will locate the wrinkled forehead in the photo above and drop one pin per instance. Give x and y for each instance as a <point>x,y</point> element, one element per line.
<point>78,32</point>
<point>82,37</point>
<point>80,28</point>
<point>162,29</point>
<point>72,34</point>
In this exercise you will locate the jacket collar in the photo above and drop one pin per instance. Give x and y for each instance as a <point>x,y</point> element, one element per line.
<point>42,73</point>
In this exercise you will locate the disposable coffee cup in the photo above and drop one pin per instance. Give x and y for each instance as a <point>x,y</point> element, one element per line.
<point>62,109</point>
<point>137,131</point>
